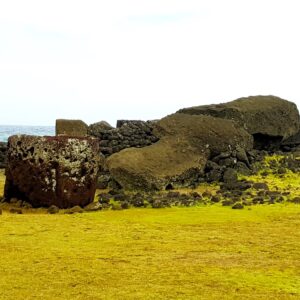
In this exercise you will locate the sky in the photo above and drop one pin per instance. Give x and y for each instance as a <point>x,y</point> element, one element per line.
<point>142,59</point>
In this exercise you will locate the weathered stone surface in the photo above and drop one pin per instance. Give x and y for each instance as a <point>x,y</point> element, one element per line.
<point>94,206</point>
<point>74,210</point>
<point>230,176</point>
<point>97,128</point>
<point>47,171</point>
<point>213,134</point>
<point>53,210</point>
<point>238,205</point>
<point>75,128</point>
<point>292,141</point>
<point>156,166</point>
<point>269,119</point>
<point>128,134</point>
<point>180,156</point>
<point>3,152</point>
<point>120,123</point>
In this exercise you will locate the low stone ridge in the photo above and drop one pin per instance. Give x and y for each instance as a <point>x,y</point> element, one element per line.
<point>76,128</point>
<point>3,150</point>
<point>179,158</point>
<point>47,171</point>
<point>129,134</point>
<point>269,119</point>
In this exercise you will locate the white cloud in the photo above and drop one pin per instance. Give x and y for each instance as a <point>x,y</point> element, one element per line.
<point>141,59</point>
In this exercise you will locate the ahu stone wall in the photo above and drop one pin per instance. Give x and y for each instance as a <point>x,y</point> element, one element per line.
<point>127,134</point>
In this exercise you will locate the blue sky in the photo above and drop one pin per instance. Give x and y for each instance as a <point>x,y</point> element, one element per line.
<point>137,59</point>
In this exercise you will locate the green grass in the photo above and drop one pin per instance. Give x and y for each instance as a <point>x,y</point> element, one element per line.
<point>287,182</point>
<point>187,253</point>
<point>209,252</point>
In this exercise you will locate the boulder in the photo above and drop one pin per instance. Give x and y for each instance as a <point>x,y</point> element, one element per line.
<point>96,129</point>
<point>205,132</point>
<point>74,210</point>
<point>94,206</point>
<point>292,141</point>
<point>157,166</point>
<point>269,119</point>
<point>47,171</point>
<point>76,128</point>
<point>179,157</point>
<point>53,210</point>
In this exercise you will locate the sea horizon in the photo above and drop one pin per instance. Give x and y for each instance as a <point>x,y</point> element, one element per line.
<point>40,130</point>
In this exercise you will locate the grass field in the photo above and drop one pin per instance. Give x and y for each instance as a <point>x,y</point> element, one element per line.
<point>210,252</point>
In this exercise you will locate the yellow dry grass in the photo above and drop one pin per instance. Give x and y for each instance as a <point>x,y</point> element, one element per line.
<point>208,252</point>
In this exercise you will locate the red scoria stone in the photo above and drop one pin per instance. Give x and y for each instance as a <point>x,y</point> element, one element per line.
<point>47,171</point>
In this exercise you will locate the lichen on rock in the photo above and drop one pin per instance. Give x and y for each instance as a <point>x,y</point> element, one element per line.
<point>47,171</point>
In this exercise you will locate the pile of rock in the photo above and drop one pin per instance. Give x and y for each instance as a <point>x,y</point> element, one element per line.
<point>201,143</point>
<point>179,158</point>
<point>127,134</point>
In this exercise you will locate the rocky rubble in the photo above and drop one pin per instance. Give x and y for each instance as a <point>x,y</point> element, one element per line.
<point>200,143</point>
<point>205,144</point>
<point>232,191</point>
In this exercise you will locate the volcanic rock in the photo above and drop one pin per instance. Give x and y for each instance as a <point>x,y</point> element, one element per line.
<point>47,171</point>
<point>74,210</point>
<point>230,176</point>
<point>94,206</point>
<point>75,128</point>
<point>293,141</point>
<point>96,129</point>
<point>53,210</point>
<point>17,211</point>
<point>238,205</point>
<point>3,151</point>
<point>269,119</point>
<point>180,156</point>
<point>260,186</point>
<point>295,200</point>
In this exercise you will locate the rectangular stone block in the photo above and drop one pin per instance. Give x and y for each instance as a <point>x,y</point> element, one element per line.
<point>76,128</point>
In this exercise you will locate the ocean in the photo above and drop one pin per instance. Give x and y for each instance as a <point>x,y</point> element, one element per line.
<point>8,130</point>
